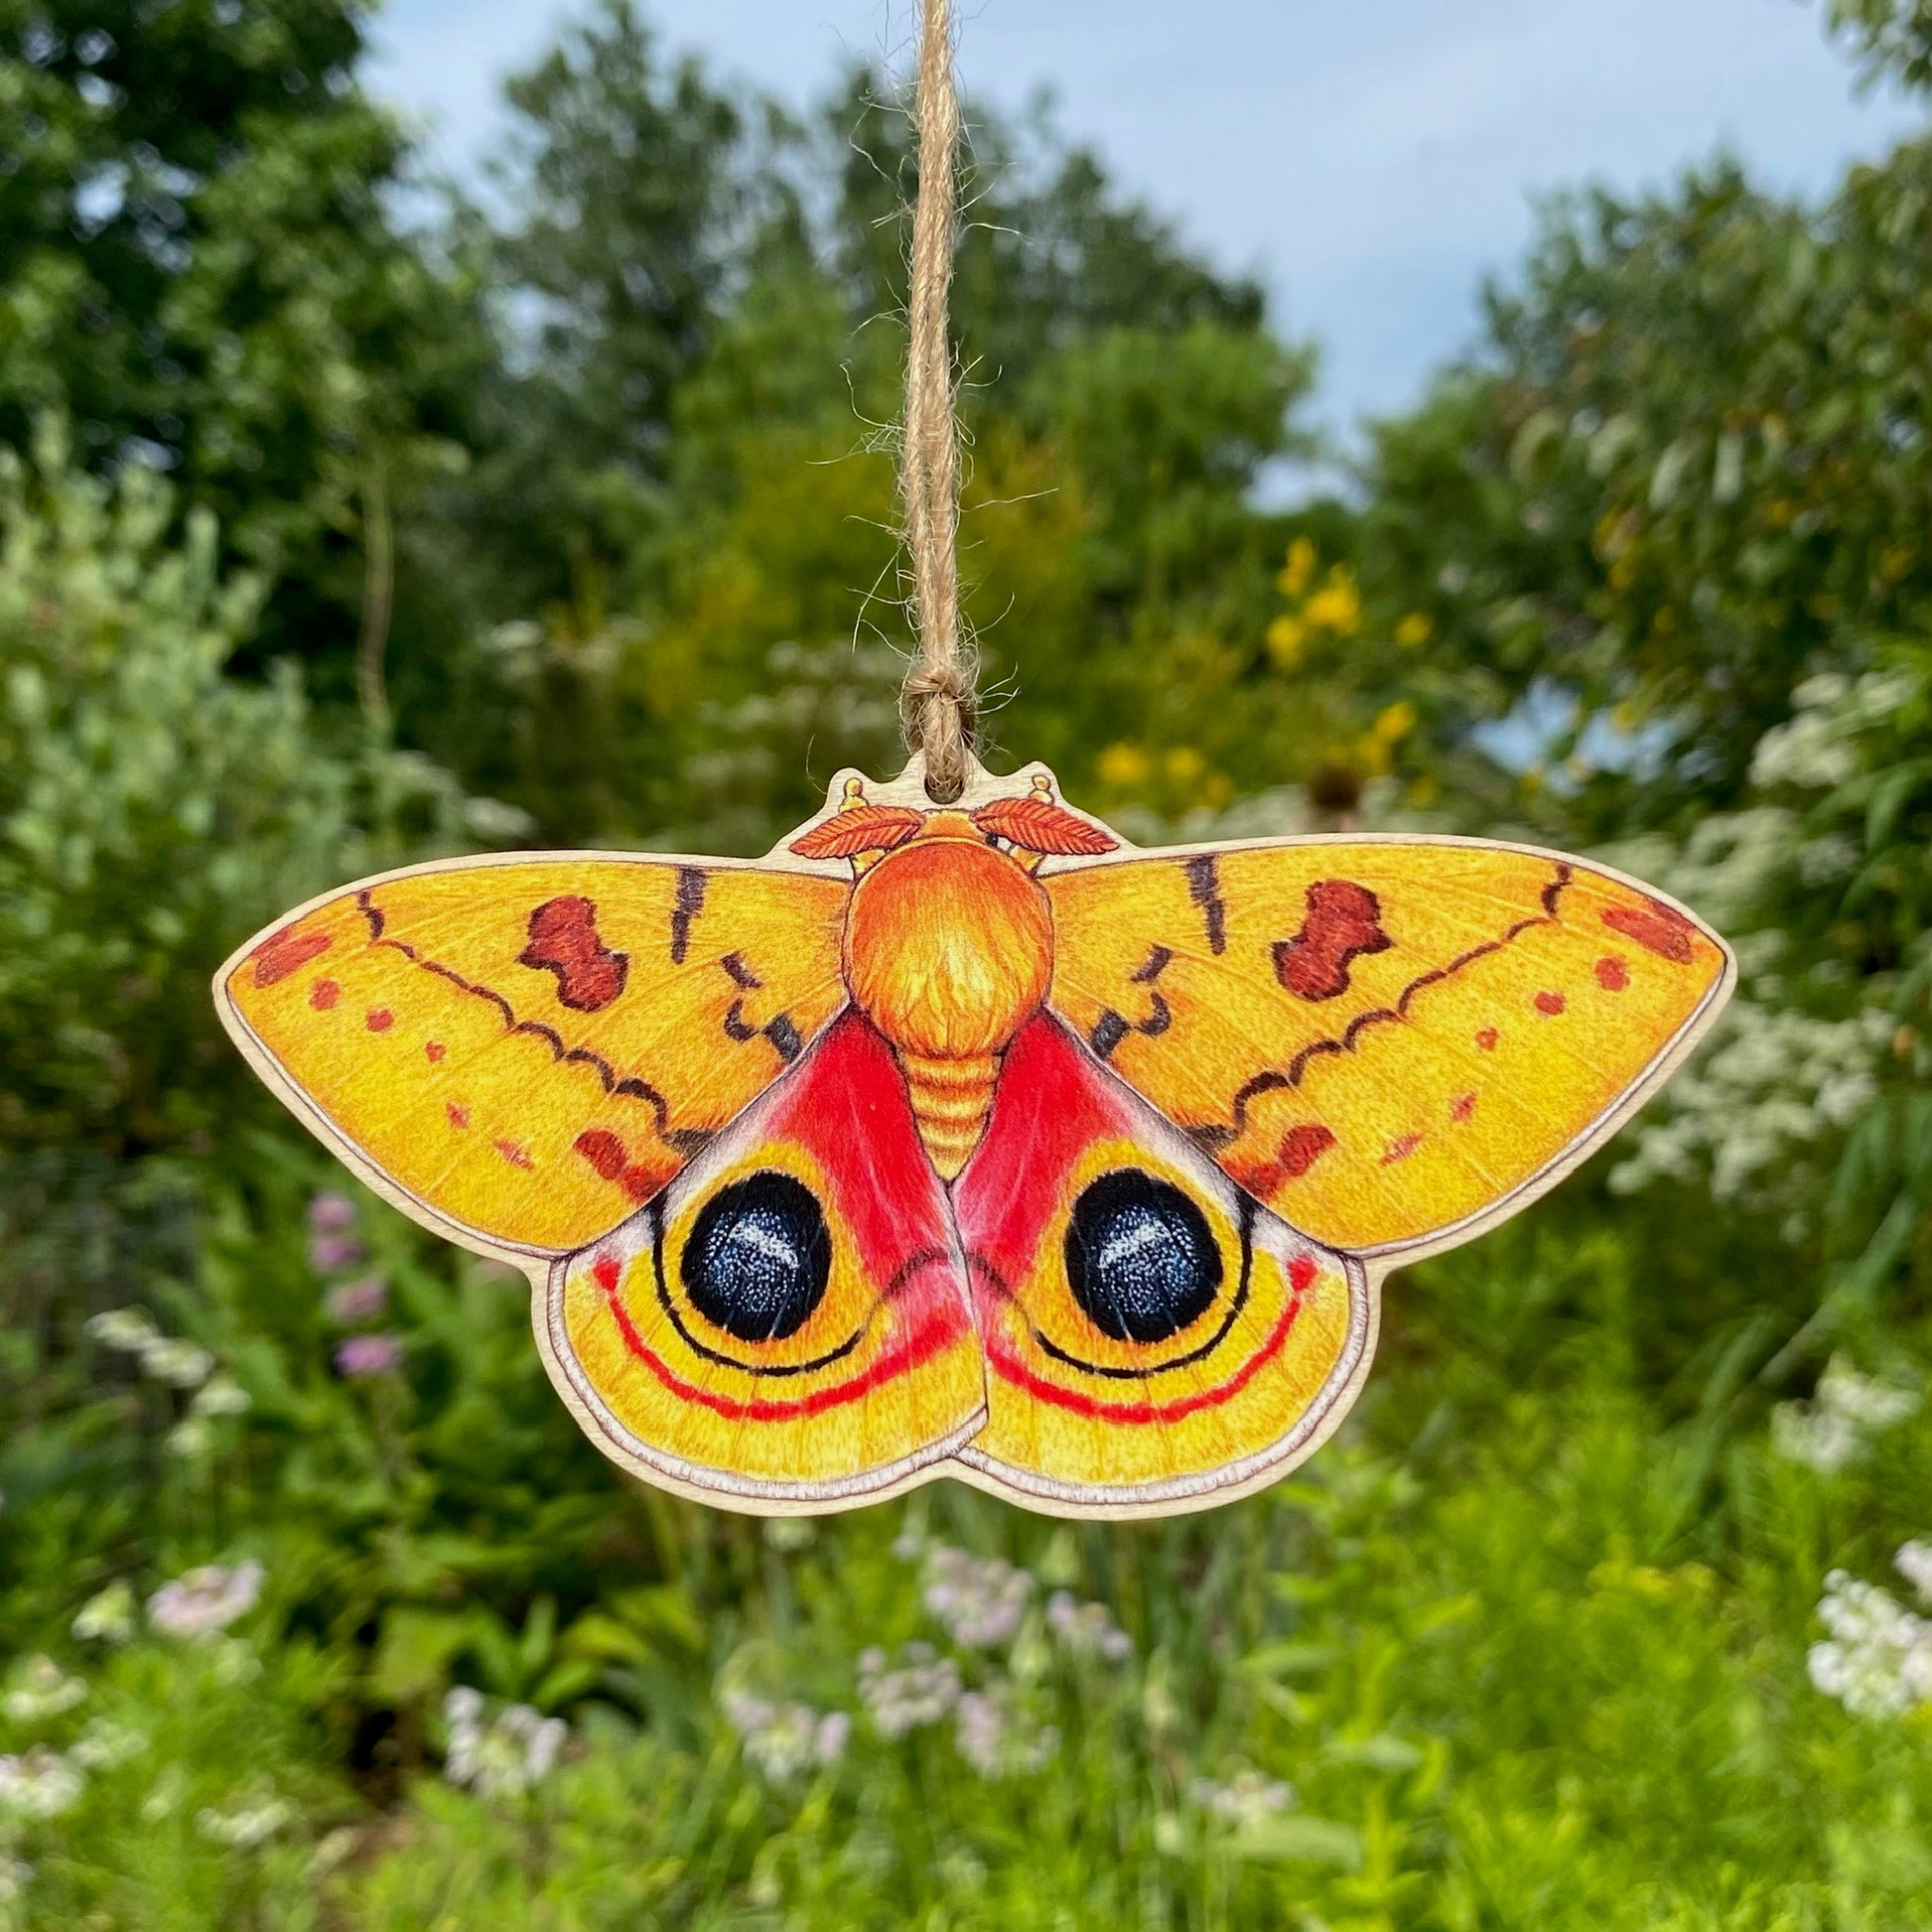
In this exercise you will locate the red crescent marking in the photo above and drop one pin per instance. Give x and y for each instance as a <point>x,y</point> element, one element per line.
<point>280,955</point>
<point>1656,927</point>
<point>895,1361</point>
<point>1302,1272</point>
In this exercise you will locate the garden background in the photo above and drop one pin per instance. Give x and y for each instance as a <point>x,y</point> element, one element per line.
<point>344,521</point>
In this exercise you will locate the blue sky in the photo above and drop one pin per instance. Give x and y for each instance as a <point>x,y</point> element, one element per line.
<point>1371,160</point>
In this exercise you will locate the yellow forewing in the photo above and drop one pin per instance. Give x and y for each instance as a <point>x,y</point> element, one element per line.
<point>531,1048</point>
<point>1383,1040</point>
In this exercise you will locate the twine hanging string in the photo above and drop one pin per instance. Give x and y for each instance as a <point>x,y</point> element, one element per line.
<point>936,703</point>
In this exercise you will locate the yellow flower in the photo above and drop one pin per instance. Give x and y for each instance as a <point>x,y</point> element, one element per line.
<point>1336,606</point>
<point>1299,572</point>
<point>1396,723</point>
<point>1123,766</point>
<point>1415,631</point>
<point>1185,764</point>
<point>1286,638</point>
<point>1372,754</point>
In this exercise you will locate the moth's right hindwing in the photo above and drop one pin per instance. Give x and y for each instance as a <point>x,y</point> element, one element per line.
<point>787,1324</point>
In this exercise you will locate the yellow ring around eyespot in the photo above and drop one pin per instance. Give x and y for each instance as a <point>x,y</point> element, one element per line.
<point>1048,1270</point>
<point>846,1310</point>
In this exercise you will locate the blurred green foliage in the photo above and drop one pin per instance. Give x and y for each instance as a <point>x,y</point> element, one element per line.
<point>344,521</point>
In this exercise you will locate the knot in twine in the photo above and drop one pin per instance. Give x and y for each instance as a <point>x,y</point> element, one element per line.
<point>936,703</point>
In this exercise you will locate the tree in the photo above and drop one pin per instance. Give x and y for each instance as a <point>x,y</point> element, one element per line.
<point>199,266</point>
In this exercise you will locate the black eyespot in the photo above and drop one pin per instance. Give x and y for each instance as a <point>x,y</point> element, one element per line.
<point>1140,1256</point>
<point>759,1258</point>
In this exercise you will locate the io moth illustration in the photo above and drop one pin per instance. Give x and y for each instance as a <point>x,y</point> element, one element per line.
<point>971,1141</point>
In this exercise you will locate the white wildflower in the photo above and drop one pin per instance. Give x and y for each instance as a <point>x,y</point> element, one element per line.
<point>191,1437</point>
<point>105,1745</point>
<point>979,1600</point>
<point>41,1784</point>
<point>1245,1799</point>
<point>164,1794</point>
<point>207,1599</point>
<point>1773,1084</point>
<point>181,1365</point>
<point>254,1822</point>
<point>784,1739</point>
<point>223,1395</point>
<point>128,1329</point>
<point>40,1689</point>
<point>1914,1562</point>
<point>1817,1437</point>
<point>922,1690</point>
<point>107,1616</point>
<point>1830,1429</point>
<point>1863,1399</point>
<point>16,1875</point>
<point>1087,1629</point>
<point>1877,1661</point>
<point>993,1737</point>
<point>517,1750</point>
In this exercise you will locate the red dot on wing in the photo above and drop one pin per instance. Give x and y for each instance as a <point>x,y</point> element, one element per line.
<point>324,994</point>
<point>1550,1004</point>
<point>1400,1149</point>
<point>1487,1039</point>
<point>458,1116</point>
<point>1612,974</point>
<point>433,1050</point>
<point>1462,1106</point>
<point>379,1020</point>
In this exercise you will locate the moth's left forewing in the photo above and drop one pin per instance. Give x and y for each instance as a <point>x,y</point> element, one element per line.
<point>520,1051</point>
<point>1392,1040</point>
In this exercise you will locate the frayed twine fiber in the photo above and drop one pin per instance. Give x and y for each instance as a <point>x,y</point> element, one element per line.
<point>936,701</point>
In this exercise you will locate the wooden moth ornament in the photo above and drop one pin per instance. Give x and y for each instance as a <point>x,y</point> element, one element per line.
<point>971,1141</point>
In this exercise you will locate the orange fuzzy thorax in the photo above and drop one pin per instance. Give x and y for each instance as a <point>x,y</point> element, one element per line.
<point>948,952</point>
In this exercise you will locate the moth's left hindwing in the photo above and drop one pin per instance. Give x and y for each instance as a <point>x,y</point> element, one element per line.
<point>1153,1337</point>
<point>528,1050</point>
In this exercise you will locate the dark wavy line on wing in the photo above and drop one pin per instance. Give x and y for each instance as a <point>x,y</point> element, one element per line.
<point>684,1140</point>
<point>1271,1081</point>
